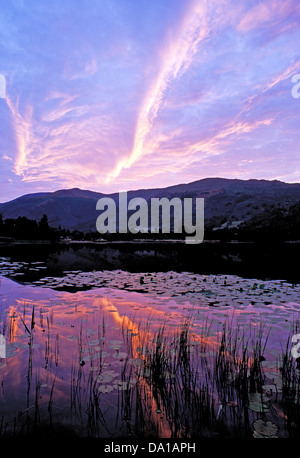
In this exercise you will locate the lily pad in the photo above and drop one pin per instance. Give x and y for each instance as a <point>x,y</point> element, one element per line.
<point>123,386</point>
<point>105,389</point>
<point>104,378</point>
<point>137,362</point>
<point>257,406</point>
<point>93,342</point>
<point>265,428</point>
<point>120,355</point>
<point>271,388</point>
<point>258,397</point>
<point>71,338</point>
<point>269,364</point>
<point>257,435</point>
<point>93,369</point>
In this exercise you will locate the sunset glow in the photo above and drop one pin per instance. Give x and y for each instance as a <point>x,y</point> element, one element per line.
<point>113,95</point>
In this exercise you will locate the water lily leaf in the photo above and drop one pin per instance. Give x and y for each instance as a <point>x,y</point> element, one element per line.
<point>72,338</point>
<point>105,389</point>
<point>258,407</point>
<point>112,373</point>
<point>269,364</point>
<point>277,380</point>
<point>257,435</point>
<point>100,349</point>
<point>115,344</point>
<point>93,342</point>
<point>120,355</point>
<point>270,388</point>
<point>258,397</point>
<point>265,428</point>
<point>137,361</point>
<point>105,378</point>
<point>122,386</point>
<point>93,369</point>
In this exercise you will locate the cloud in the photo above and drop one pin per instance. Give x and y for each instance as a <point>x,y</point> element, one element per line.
<point>232,131</point>
<point>282,76</point>
<point>22,125</point>
<point>147,93</point>
<point>7,158</point>
<point>269,11</point>
<point>177,58</point>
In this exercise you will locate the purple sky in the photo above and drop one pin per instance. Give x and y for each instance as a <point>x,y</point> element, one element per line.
<point>113,95</point>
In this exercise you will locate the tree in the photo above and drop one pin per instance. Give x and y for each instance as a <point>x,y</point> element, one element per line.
<point>44,230</point>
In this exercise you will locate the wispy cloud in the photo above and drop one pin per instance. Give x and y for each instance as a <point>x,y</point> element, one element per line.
<point>22,125</point>
<point>140,94</point>
<point>270,11</point>
<point>177,58</point>
<point>282,76</point>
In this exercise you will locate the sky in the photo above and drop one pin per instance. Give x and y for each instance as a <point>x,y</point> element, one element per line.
<point>113,95</point>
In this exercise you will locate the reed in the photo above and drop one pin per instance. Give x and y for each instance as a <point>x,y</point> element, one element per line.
<point>172,384</point>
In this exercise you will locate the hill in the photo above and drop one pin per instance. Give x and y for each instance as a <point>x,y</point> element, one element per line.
<point>226,200</point>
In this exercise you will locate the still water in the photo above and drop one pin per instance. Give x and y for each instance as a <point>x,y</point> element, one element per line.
<point>109,353</point>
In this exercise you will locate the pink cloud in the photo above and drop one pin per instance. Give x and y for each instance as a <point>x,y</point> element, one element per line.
<point>267,12</point>
<point>177,57</point>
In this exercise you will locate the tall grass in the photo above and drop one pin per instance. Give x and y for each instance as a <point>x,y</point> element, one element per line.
<point>172,384</point>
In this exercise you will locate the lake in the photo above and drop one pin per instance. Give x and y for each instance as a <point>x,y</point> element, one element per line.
<point>149,340</point>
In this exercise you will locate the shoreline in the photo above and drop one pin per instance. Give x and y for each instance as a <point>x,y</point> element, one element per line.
<point>136,241</point>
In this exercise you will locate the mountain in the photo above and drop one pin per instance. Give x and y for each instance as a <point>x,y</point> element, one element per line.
<point>226,200</point>
<point>274,223</point>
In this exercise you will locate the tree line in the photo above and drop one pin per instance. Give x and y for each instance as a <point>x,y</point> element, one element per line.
<point>27,229</point>
<point>272,224</point>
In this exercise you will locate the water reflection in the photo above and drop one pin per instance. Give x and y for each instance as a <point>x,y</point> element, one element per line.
<point>110,361</point>
<point>246,260</point>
